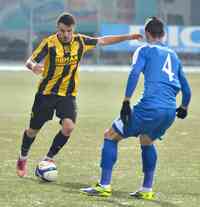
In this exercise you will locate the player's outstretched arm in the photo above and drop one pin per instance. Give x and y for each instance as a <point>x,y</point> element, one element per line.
<point>112,39</point>
<point>35,67</point>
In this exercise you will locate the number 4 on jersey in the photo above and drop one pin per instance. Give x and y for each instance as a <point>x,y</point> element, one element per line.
<point>167,68</point>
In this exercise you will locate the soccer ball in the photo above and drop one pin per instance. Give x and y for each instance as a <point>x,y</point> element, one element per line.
<point>46,170</point>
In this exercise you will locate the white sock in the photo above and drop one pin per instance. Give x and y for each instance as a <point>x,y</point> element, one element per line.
<point>23,157</point>
<point>104,186</point>
<point>47,158</point>
<point>144,189</point>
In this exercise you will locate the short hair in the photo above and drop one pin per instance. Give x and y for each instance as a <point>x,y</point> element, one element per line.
<point>67,19</point>
<point>155,27</point>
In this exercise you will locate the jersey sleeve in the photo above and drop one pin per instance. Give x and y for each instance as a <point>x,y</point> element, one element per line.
<point>137,67</point>
<point>89,42</point>
<point>40,52</point>
<point>185,88</point>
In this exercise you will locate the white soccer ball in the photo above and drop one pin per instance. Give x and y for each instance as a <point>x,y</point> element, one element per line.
<point>46,170</point>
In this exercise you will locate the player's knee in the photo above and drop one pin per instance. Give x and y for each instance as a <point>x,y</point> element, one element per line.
<point>67,130</point>
<point>32,132</point>
<point>112,135</point>
<point>67,127</point>
<point>145,140</point>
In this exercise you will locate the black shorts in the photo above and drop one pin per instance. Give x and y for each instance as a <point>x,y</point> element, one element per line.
<point>44,107</point>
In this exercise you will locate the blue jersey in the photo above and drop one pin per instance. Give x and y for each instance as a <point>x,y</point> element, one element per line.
<point>163,77</point>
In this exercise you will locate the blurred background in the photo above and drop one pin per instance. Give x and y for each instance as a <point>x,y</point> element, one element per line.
<point>24,23</point>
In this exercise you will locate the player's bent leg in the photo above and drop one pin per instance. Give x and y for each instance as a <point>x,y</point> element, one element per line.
<point>61,138</point>
<point>109,155</point>
<point>108,159</point>
<point>28,139</point>
<point>149,158</point>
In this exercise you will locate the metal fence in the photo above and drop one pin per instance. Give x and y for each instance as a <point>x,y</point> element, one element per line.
<point>24,23</point>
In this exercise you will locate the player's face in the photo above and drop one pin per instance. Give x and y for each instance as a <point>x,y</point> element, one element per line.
<point>65,32</point>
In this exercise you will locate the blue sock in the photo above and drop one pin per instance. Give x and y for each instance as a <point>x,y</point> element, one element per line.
<point>108,159</point>
<point>149,159</point>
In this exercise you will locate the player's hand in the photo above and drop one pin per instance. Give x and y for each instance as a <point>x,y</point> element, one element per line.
<point>125,113</point>
<point>181,112</point>
<point>136,37</point>
<point>38,69</point>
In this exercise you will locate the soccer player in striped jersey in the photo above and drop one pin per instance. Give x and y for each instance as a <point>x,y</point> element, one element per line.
<point>61,54</point>
<point>152,115</point>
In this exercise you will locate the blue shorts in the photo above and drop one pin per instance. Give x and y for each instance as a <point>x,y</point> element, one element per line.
<point>151,122</point>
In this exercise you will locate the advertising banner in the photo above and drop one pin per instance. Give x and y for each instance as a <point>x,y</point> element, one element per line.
<point>181,39</point>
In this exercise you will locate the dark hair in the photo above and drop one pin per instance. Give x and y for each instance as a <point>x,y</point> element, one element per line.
<point>155,27</point>
<point>67,19</point>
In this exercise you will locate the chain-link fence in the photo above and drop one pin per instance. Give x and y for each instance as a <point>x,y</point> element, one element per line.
<point>24,23</point>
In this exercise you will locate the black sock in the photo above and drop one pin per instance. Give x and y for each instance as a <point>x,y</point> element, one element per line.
<point>59,141</point>
<point>26,144</point>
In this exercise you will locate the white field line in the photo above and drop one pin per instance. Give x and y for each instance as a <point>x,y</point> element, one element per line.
<point>91,68</point>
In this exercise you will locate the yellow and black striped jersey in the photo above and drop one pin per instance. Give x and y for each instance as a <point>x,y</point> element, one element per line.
<point>61,61</point>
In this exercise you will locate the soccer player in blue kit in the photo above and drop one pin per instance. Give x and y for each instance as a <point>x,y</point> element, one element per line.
<point>152,115</point>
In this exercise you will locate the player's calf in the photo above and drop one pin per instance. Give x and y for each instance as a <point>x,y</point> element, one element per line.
<point>149,160</point>
<point>59,141</point>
